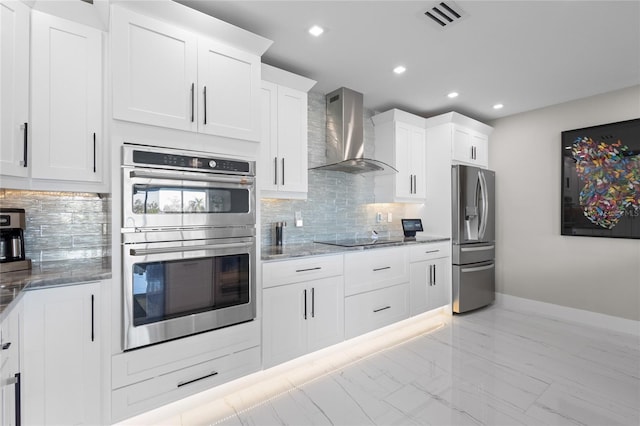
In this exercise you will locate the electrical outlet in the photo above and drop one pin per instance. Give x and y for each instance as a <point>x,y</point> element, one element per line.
<point>298,217</point>
<point>389,217</point>
<point>378,217</point>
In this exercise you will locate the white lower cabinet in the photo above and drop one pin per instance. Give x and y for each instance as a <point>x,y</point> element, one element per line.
<point>368,311</point>
<point>303,316</point>
<point>10,367</point>
<point>430,281</point>
<point>61,356</point>
<point>147,378</point>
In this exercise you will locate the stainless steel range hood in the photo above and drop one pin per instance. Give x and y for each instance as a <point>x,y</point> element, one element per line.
<point>345,136</point>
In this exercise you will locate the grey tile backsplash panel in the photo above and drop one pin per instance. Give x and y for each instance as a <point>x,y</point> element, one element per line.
<point>338,204</point>
<point>63,225</point>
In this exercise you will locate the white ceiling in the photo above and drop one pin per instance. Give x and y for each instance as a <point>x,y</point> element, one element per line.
<point>523,54</point>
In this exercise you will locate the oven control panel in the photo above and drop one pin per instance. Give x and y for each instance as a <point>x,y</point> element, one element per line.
<point>190,162</point>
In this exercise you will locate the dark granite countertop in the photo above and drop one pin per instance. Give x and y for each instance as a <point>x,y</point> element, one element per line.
<point>288,251</point>
<point>51,274</point>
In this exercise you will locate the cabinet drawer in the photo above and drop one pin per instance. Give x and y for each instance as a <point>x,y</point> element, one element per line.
<point>300,270</point>
<point>142,364</point>
<point>376,268</point>
<point>152,393</point>
<point>428,251</point>
<point>369,311</point>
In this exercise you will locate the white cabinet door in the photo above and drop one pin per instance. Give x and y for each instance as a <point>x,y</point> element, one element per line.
<point>326,319</point>
<point>284,142</point>
<point>66,100</point>
<point>267,168</point>
<point>154,68</point>
<point>429,285</point>
<point>10,367</point>
<point>14,88</point>
<point>469,147</point>
<point>284,325</point>
<point>404,178</point>
<point>61,356</point>
<point>417,161</point>
<point>229,86</point>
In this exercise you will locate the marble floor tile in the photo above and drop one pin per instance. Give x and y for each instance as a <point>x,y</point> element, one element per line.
<point>490,367</point>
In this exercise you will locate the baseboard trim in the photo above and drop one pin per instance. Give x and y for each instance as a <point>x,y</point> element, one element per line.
<point>595,319</point>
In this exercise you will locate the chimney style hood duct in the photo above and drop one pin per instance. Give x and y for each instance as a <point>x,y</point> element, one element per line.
<point>345,136</point>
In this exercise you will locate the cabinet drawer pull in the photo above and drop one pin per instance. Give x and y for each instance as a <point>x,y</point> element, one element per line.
<point>381,309</point>
<point>188,382</point>
<point>317,268</point>
<point>381,269</point>
<point>6,346</point>
<point>432,251</point>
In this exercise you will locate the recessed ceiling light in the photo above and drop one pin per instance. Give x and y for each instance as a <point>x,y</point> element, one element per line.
<point>399,69</point>
<point>316,30</point>
<point>498,106</point>
<point>453,95</point>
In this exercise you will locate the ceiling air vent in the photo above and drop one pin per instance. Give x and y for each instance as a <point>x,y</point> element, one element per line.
<point>445,13</point>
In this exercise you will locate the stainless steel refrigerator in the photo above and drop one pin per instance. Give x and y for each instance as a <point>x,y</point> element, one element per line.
<point>473,237</point>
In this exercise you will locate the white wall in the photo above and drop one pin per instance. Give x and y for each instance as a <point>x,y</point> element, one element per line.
<point>533,260</point>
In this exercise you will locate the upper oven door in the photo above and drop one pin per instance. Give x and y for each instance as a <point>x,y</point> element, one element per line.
<point>171,198</point>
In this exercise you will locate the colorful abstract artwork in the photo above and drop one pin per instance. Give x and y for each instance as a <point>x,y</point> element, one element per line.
<point>601,180</point>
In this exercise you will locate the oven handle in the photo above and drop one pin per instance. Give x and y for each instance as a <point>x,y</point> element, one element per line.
<point>244,180</point>
<point>144,252</point>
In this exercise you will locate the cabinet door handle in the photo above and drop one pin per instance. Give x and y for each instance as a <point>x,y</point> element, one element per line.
<point>415,184</point>
<point>381,309</point>
<point>94,152</point>
<point>313,302</point>
<point>92,318</point>
<point>26,141</point>
<point>317,268</point>
<point>381,269</point>
<point>17,399</point>
<point>304,294</point>
<point>205,104</point>
<point>193,104</point>
<point>283,172</point>
<point>188,382</point>
<point>430,275</point>
<point>275,170</point>
<point>435,281</point>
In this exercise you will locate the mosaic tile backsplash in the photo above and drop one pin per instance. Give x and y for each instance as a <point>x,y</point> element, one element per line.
<point>338,205</point>
<point>63,225</point>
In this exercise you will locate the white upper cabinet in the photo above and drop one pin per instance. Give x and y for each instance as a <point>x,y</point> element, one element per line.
<point>14,88</point>
<point>169,77</point>
<point>469,147</point>
<point>457,139</point>
<point>154,71</point>
<point>401,143</point>
<point>66,100</point>
<point>229,83</point>
<point>282,172</point>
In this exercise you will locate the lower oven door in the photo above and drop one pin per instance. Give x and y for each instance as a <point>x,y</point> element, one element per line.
<point>175,289</point>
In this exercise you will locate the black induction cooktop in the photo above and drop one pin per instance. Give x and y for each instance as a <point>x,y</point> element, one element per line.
<point>361,242</point>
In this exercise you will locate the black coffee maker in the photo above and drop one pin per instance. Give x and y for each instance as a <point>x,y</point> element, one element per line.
<point>12,225</point>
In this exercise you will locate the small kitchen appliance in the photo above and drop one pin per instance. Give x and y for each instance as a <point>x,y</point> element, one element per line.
<point>410,227</point>
<point>279,232</point>
<point>12,225</point>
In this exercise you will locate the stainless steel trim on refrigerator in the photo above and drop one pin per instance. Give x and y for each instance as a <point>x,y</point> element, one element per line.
<point>473,237</point>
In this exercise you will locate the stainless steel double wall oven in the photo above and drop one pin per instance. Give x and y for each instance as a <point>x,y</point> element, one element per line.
<point>188,243</point>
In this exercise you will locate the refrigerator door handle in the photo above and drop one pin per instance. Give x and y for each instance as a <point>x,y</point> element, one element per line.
<point>466,249</point>
<point>484,200</point>
<point>478,268</point>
